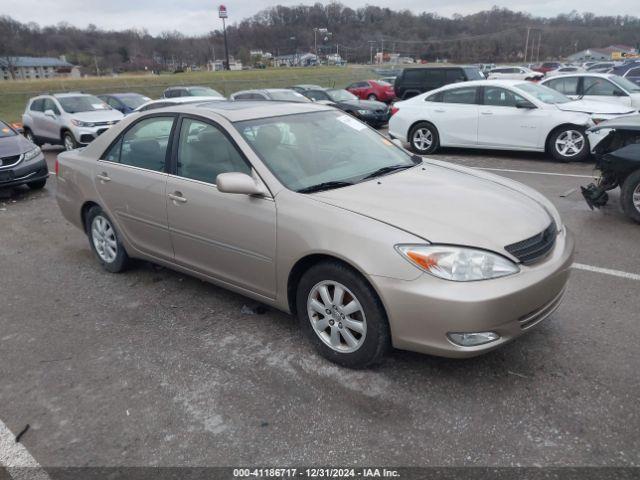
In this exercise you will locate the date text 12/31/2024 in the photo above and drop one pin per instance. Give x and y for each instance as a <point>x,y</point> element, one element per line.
<point>315,473</point>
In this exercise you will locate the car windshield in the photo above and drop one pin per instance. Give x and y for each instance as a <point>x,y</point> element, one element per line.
<point>6,130</point>
<point>203,92</point>
<point>133,101</point>
<point>339,95</point>
<point>82,103</point>
<point>321,148</point>
<point>288,96</point>
<point>474,74</point>
<point>542,93</point>
<point>625,84</point>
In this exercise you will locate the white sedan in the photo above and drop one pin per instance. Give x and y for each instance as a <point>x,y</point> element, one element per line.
<point>514,73</point>
<point>604,87</point>
<point>500,114</point>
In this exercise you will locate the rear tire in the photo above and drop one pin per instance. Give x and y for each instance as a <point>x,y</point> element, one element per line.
<point>39,185</point>
<point>630,196</point>
<point>424,138</point>
<point>105,241</point>
<point>372,97</point>
<point>348,328</point>
<point>569,144</point>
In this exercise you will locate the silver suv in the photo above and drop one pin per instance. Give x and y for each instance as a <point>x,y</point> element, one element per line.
<point>70,119</point>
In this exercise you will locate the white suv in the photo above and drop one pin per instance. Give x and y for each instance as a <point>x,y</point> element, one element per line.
<point>70,119</point>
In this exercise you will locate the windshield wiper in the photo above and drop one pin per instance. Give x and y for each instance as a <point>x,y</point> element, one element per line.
<point>386,170</point>
<point>324,186</point>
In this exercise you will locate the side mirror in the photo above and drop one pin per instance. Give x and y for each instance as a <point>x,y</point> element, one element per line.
<point>50,113</point>
<point>524,104</point>
<point>241,183</point>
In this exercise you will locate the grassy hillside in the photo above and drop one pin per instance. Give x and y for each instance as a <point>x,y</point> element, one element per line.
<point>14,94</point>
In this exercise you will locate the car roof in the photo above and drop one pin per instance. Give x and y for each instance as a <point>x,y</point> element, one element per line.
<point>72,94</point>
<point>583,74</point>
<point>120,94</point>
<point>247,110</point>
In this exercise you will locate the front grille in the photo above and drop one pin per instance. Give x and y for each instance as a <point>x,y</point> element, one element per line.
<point>535,248</point>
<point>104,124</point>
<point>9,161</point>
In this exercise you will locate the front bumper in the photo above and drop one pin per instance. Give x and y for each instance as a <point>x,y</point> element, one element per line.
<point>421,312</point>
<point>86,135</point>
<point>24,172</point>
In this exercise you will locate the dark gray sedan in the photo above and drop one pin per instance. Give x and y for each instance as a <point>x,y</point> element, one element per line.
<point>21,162</point>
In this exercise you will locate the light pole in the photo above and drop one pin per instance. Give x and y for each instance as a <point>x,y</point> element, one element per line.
<point>222,13</point>
<point>315,39</point>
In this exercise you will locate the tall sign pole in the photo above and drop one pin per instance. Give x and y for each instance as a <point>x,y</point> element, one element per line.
<point>222,13</point>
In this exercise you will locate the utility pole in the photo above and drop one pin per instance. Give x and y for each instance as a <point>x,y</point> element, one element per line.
<point>371,42</point>
<point>526,45</point>
<point>538,52</point>
<point>222,13</point>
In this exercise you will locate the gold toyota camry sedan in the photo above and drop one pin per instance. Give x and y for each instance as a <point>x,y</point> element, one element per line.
<point>306,209</point>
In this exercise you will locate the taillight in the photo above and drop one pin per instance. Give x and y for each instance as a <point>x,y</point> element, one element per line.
<point>57,167</point>
<point>394,110</point>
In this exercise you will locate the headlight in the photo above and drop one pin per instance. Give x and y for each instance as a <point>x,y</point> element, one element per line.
<point>78,123</point>
<point>363,112</point>
<point>459,264</point>
<point>31,154</point>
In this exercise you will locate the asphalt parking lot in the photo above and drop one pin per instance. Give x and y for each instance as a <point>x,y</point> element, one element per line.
<point>151,367</point>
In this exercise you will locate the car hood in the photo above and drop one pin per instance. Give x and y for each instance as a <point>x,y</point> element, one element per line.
<point>589,106</point>
<point>10,146</point>
<point>447,205</point>
<point>99,116</point>
<point>365,104</point>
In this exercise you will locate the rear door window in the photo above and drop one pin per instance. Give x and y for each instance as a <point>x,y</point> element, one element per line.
<point>37,105</point>
<point>434,79</point>
<point>567,85</point>
<point>414,76</point>
<point>144,145</point>
<point>465,95</point>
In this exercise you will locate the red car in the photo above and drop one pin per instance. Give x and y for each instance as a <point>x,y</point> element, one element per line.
<point>373,90</point>
<point>547,67</point>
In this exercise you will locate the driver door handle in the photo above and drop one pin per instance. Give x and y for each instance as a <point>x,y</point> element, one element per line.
<point>487,113</point>
<point>177,197</point>
<point>103,177</point>
<point>439,110</point>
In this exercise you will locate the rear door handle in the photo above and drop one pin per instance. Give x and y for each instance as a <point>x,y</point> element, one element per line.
<point>486,113</point>
<point>177,197</point>
<point>103,177</point>
<point>439,110</point>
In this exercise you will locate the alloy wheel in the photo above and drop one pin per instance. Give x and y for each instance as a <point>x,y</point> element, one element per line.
<point>570,143</point>
<point>337,316</point>
<point>636,197</point>
<point>104,239</point>
<point>68,143</point>
<point>422,139</point>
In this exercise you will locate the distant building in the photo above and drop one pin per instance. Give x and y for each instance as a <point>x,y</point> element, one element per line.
<point>296,60</point>
<point>601,54</point>
<point>218,65</point>
<point>30,68</point>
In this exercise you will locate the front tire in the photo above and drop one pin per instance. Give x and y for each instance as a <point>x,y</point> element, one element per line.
<point>105,241</point>
<point>630,196</point>
<point>424,138</point>
<point>69,141</point>
<point>28,134</point>
<point>342,316</point>
<point>569,144</point>
<point>38,185</point>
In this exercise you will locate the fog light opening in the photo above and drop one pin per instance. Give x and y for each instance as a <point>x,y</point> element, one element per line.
<point>472,339</point>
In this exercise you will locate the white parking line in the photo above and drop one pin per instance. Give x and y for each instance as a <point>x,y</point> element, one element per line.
<point>607,271</point>
<point>16,459</point>
<point>533,172</point>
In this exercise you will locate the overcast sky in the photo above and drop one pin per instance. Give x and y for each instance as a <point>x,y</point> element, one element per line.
<point>193,17</point>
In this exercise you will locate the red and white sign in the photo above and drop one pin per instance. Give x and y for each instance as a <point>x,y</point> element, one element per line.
<point>222,11</point>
